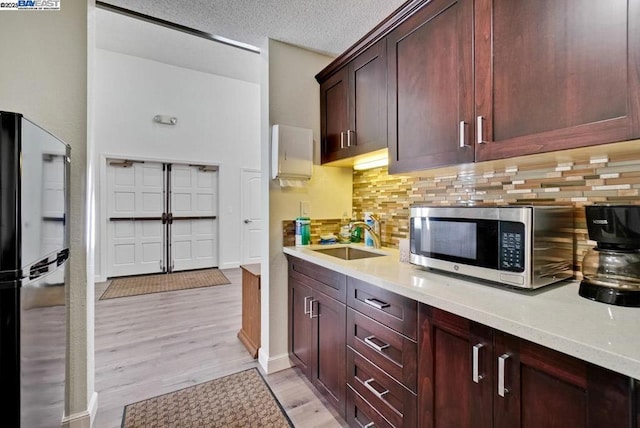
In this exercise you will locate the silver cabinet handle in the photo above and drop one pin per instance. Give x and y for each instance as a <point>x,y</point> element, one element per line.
<point>369,425</point>
<point>479,126</point>
<point>462,133</point>
<point>378,304</point>
<point>311,309</point>
<point>502,359</point>
<point>476,376</point>
<point>369,341</point>
<point>367,384</point>
<point>342,140</point>
<point>349,132</point>
<point>306,305</point>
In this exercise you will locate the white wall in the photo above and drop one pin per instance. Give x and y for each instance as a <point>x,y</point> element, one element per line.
<point>44,76</point>
<point>218,124</point>
<point>294,99</point>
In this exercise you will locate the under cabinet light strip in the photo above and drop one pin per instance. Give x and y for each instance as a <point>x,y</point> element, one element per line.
<point>178,27</point>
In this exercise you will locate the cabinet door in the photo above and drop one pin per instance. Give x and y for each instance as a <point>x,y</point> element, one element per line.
<point>544,388</point>
<point>555,74</point>
<point>451,393</point>
<point>334,115</point>
<point>300,296</point>
<point>368,100</point>
<point>329,373</point>
<point>430,87</point>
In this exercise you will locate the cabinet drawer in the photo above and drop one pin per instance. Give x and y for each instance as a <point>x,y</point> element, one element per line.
<point>391,351</point>
<point>331,283</point>
<point>392,400</point>
<point>361,414</point>
<point>391,309</point>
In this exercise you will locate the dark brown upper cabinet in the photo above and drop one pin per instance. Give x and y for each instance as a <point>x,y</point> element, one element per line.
<point>430,76</point>
<point>476,80</point>
<point>555,74</point>
<point>353,106</point>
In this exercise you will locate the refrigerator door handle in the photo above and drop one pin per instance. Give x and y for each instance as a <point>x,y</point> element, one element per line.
<point>63,256</point>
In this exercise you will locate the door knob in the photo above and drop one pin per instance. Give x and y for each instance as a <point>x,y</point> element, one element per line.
<point>247,221</point>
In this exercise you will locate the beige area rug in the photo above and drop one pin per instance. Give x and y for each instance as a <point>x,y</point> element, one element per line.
<point>239,400</point>
<point>147,284</point>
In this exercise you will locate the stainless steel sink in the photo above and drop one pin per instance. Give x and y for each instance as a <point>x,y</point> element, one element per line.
<point>348,253</point>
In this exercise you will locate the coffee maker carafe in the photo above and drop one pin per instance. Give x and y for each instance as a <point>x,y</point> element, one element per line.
<point>611,270</point>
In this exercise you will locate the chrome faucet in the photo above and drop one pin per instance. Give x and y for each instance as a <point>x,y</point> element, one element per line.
<point>377,242</point>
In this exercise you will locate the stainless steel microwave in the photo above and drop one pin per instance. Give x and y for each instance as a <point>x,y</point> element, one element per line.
<point>516,246</point>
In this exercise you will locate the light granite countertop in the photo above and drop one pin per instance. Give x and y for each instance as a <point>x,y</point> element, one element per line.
<point>554,316</point>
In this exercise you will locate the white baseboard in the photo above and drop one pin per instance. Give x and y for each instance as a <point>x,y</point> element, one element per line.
<point>274,364</point>
<point>99,278</point>
<point>83,419</point>
<point>229,265</point>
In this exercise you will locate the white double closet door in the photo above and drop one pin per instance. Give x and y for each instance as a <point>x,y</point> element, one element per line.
<point>161,217</point>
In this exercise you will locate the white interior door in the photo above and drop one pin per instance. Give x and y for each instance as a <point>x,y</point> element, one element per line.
<point>136,201</point>
<point>194,208</point>
<point>251,216</point>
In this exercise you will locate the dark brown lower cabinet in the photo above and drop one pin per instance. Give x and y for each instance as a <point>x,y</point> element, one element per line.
<point>470,375</point>
<point>636,389</point>
<point>458,374</point>
<point>300,326</point>
<point>317,343</point>
<point>328,349</point>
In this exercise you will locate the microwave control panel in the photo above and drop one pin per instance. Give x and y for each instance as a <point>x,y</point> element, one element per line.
<point>511,246</point>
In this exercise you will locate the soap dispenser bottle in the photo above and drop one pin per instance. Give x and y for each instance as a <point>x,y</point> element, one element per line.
<point>345,232</point>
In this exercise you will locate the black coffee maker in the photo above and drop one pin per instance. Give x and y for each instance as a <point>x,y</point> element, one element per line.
<point>611,270</point>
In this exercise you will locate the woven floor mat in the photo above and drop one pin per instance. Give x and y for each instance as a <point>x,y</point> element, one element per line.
<point>239,400</point>
<point>147,284</point>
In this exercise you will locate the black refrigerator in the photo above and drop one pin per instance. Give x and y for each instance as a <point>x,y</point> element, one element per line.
<point>34,253</point>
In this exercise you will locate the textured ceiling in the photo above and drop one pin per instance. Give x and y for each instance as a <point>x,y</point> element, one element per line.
<point>325,26</point>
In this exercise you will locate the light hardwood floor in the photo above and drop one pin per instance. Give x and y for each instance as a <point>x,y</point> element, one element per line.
<point>157,343</point>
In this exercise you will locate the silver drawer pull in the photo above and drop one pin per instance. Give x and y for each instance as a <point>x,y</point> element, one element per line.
<point>367,383</point>
<point>502,359</point>
<point>306,305</point>
<point>369,341</point>
<point>342,146</point>
<point>369,425</point>
<point>378,304</point>
<point>476,376</point>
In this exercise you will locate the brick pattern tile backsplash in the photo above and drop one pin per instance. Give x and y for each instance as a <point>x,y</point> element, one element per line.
<point>605,179</point>
<point>597,180</point>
